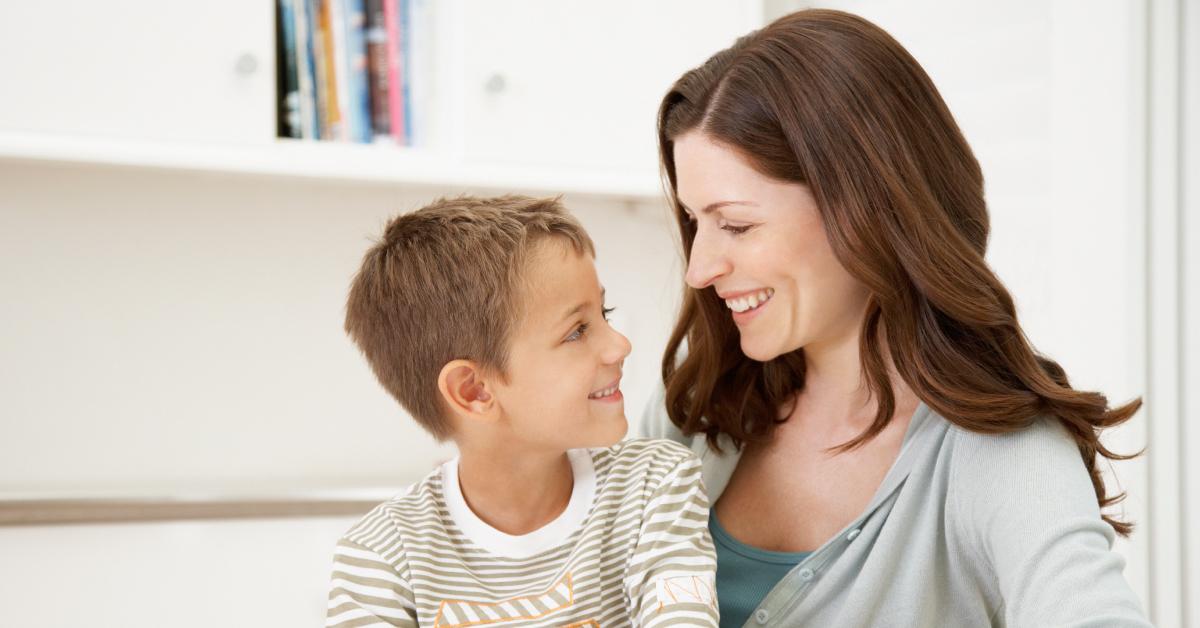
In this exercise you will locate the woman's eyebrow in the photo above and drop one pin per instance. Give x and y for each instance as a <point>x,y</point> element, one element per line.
<point>711,207</point>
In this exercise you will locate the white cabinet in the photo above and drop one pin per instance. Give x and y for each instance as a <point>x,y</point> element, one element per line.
<point>139,69</point>
<point>579,83</point>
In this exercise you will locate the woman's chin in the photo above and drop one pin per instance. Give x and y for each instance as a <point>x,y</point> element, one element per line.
<point>760,351</point>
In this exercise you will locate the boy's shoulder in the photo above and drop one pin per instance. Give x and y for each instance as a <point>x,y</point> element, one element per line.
<point>412,505</point>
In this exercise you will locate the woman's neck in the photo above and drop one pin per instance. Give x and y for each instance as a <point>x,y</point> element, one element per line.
<point>836,397</point>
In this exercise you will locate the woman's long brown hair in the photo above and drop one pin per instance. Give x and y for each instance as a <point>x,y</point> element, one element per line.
<point>830,100</point>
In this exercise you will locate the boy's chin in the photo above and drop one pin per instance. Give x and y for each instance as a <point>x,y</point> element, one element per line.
<point>607,437</point>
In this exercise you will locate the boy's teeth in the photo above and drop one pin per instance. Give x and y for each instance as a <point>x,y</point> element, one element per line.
<point>603,393</point>
<point>743,304</point>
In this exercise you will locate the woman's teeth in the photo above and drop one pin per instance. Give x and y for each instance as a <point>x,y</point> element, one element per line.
<point>607,392</point>
<point>751,301</point>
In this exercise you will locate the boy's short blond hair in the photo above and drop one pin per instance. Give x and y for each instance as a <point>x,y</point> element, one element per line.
<point>443,284</point>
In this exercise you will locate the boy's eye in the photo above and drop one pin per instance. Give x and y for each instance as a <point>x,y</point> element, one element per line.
<point>606,311</point>
<point>578,333</point>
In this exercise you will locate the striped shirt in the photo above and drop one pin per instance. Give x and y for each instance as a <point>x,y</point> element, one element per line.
<point>632,548</point>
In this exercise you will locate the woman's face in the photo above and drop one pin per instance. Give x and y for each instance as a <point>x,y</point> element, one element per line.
<point>760,245</point>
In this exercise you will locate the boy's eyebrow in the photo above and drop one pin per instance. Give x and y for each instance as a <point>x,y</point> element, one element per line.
<point>579,308</point>
<point>711,207</point>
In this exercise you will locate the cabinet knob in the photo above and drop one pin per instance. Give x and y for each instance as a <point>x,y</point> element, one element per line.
<point>246,65</point>
<point>495,84</point>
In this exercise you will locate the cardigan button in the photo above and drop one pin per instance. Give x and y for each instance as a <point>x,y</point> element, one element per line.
<point>761,616</point>
<point>853,534</point>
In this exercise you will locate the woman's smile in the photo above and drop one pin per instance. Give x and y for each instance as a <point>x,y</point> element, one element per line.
<point>746,305</point>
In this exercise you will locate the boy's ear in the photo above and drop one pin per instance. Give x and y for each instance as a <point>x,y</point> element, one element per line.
<point>465,390</point>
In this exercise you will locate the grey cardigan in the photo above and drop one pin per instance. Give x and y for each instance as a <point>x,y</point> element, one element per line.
<point>965,530</point>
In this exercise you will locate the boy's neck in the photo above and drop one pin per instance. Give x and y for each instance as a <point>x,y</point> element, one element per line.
<point>515,493</point>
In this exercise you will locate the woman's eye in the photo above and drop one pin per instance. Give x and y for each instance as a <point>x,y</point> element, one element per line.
<point>736,229</point>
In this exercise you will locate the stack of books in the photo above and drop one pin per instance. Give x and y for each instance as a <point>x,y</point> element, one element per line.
<point>353,70</point>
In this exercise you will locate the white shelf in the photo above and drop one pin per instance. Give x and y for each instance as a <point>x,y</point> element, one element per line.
<point>330,161</point>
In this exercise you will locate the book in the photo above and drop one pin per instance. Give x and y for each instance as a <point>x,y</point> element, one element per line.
<point>379,78</point>
<point>306,77</point>
<point>341,66</point>
<point>391,15</point>
<point>327,95</point>
<point>421,71</point>
<point>358,105</point>
<point>406,50</point>
<point>286,91</point>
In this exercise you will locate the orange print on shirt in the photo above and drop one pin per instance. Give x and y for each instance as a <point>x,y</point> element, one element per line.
<point>462,613</point>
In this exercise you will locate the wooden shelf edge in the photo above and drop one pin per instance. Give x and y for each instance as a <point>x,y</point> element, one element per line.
<point>28,512</point>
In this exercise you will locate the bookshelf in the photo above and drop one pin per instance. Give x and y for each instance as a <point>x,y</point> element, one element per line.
<point>528,96</point>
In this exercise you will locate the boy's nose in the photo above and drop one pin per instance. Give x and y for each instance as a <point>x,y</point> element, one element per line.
<point>618,349</point>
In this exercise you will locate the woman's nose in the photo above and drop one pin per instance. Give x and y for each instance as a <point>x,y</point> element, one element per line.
<point>706,263</point>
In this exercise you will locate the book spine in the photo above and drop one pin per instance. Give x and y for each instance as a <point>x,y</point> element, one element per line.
<point>332,121</point>
<point>289,91</point>
<point>341,65</point>
<point>377,61</point>
<point>320,69</point>
<point>391,13</point>
<point>421,71</point>
<point>406,56</point>
<point>306,71</point>
<point>359,116</point>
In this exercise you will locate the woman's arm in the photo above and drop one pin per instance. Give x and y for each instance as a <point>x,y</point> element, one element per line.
<point>1024,506</point>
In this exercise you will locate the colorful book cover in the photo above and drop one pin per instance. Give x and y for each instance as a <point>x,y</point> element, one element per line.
<point>358,106</point>
<point>306,71</point>
<point>288,94</point>
<point>391,14</point>
<point>377,61</point>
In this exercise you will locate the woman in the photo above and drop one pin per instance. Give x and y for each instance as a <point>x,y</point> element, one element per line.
<point>882,446</point>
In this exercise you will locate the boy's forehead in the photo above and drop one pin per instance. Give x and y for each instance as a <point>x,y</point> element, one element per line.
<point>556,279</point>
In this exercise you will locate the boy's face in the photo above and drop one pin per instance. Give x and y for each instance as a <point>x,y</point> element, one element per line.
<point>564,366</point>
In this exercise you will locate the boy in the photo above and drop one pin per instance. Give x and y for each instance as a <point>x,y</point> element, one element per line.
<point>485,319</point>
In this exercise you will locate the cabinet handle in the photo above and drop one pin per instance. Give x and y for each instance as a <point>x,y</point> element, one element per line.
<point>246,65</point>
<point>495,84</point>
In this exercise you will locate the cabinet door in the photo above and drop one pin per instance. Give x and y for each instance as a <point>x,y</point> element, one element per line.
<point>577,84</point>
<point>139,69</point>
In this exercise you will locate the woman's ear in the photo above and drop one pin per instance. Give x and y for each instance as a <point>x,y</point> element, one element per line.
<point>465,390</point>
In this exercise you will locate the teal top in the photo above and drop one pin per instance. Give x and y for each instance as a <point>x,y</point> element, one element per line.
<point>745,574</point>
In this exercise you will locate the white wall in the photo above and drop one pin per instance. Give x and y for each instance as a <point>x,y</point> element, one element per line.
<point>167,332</point>
<point>270,573</point>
